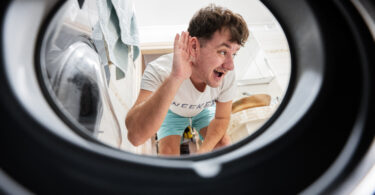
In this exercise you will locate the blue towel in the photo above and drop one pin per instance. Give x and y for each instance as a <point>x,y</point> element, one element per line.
<point>126,14</point>
<point>118,23</point>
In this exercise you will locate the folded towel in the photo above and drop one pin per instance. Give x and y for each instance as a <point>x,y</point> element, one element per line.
<point>118,24</point>
<point>127,21</point>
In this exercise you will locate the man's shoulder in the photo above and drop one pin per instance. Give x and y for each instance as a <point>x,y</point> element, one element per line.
<point>160,66</point>
<point>156,71</point>
<point>229,78</point>
<point>231,75</point>
<point>164,61</point>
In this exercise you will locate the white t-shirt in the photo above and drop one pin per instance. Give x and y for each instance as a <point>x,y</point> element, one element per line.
<point>188,101</point>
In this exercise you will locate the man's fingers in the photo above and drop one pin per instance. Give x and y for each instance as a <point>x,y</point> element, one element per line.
<point>176,39</point>
<point>189,43</point>
<point>182,41</point>
<point>186,40</point>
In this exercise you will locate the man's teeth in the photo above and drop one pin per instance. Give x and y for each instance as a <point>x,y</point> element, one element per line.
<point>219,73</point>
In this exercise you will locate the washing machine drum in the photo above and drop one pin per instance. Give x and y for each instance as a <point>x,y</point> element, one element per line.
<point>74,80</point>
<point>317,136</point>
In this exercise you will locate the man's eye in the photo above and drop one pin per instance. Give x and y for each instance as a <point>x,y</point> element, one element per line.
<point>223,53</point>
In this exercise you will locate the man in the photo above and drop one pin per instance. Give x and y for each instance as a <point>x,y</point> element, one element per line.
<point>194,85</point>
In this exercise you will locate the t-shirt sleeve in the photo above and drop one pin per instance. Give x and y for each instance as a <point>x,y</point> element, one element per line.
<point>152,78</point>
<point>156,72</point>
<point>229,88</point>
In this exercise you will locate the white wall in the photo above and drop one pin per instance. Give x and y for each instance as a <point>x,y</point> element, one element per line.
<point>174,12</point>
<point>177,14</point>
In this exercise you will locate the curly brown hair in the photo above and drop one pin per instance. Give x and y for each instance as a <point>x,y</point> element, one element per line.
<point>212,18</point>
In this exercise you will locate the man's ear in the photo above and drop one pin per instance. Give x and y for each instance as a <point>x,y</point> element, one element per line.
<point>194,46</point>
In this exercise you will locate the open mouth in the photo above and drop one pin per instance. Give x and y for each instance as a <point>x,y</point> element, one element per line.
<point>219,73</point>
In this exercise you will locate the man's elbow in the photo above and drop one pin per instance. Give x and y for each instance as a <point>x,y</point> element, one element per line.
<point>134,139</point>
<point>132,135</point>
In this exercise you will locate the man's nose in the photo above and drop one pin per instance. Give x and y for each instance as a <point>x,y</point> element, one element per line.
<point>228,64</point>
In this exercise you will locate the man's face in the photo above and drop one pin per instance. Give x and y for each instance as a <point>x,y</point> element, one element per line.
<point>215,59</point>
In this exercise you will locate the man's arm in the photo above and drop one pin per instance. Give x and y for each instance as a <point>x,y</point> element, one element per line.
<point>218,126</point>
<point>148,113</point>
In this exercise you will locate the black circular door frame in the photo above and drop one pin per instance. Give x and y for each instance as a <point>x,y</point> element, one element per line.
<point>324,126</point>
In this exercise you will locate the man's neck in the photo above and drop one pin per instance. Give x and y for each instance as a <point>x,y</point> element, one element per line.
<point>199,85</point>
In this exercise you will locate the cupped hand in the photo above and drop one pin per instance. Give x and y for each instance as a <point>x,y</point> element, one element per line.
<point>182,67</point>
